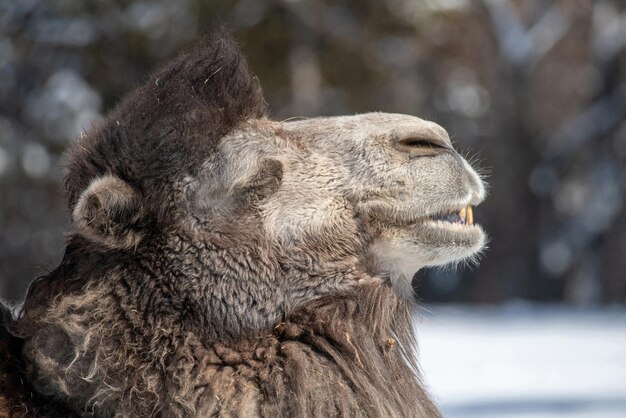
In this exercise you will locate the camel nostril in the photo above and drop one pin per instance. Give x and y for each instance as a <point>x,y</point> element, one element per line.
<point>420,146</point>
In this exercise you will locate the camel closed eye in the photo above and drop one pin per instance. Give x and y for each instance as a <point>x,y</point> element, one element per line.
<point>418,146</point>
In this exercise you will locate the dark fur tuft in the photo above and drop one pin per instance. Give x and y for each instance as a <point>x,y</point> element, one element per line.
<point>182,111</point>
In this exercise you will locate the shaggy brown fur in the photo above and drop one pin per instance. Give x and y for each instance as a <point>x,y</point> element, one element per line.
<point>347,355</point>
<point>17,398</point>
<point>163,306</point>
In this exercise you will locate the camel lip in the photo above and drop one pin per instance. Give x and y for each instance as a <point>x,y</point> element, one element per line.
<point>458,212</point>
<point>463,216</point>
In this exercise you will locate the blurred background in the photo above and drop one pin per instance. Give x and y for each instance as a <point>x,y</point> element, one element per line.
<point>533,91</point>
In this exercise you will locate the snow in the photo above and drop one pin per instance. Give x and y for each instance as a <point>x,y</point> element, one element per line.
<point>523,361</point>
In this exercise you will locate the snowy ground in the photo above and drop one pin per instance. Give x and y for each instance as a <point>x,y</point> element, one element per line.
<point>524,361</point>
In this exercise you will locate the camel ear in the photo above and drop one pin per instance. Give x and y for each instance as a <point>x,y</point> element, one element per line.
<point>108,212</point>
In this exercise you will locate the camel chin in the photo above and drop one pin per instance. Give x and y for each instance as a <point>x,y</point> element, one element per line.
<point>447,238</point>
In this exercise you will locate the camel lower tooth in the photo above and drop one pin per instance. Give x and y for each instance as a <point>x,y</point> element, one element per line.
<point>470,216</point>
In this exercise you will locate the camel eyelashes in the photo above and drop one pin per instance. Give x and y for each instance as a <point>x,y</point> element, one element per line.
<point>419,142</point>
<point>421,146</point>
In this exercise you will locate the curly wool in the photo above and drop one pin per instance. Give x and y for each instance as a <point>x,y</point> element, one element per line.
<point>18,399</point>
<point>346,355</point>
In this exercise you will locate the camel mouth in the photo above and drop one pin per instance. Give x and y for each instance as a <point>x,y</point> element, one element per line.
<point>460,217</point>
<point>463,216</point>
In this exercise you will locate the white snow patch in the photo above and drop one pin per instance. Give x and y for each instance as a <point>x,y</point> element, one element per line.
<point>523,361</point>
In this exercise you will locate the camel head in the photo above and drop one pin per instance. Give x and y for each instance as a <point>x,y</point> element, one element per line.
<point>196,219</point>
<point>249,217</point>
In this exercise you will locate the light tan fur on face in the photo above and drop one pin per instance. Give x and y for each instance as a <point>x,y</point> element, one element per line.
<point>342,173</point>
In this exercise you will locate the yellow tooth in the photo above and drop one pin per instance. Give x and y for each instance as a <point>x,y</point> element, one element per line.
<point>470,216</point>
<point>463,214</point>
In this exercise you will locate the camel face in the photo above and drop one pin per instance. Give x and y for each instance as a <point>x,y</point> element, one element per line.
<point>385,191</point>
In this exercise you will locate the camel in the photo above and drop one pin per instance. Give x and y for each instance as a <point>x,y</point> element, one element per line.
<point>220,263</point>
